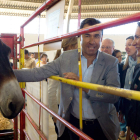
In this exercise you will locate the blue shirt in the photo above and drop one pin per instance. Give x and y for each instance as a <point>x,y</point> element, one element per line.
<point>86,105</point>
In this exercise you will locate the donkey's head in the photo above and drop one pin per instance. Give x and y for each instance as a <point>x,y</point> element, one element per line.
<point>11,98</point>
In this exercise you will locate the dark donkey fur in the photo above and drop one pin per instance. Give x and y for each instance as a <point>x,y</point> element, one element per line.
<point>6,71</point>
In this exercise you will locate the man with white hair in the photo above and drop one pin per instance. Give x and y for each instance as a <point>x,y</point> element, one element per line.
<point>107,46</point>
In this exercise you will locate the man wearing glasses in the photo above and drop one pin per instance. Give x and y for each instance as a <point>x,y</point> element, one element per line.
<point>107,46</point>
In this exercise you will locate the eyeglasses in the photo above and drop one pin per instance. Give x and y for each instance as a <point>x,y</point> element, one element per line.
<point>102,47</point>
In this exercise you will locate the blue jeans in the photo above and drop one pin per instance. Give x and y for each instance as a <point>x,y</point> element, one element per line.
<point>123,125</point>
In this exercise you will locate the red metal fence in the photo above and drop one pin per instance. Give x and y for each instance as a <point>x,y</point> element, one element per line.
<point>67,124</point>
<point>47,5</point>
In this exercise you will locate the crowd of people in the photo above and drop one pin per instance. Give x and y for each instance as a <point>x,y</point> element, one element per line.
<point>103,114</point>
<point>31,62</point>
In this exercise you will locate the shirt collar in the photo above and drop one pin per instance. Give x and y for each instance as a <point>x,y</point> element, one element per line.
<point>95,60</point>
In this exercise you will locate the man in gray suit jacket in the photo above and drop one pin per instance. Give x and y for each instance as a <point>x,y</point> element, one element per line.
<point>99,114</point>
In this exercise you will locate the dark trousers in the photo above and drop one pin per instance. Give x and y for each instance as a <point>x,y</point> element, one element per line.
<point>91,128</point>
<point>64,136</point>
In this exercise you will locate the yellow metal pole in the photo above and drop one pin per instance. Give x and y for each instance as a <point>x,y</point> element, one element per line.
<point>80,79</point>
<point>39,66</point>
<point>131,94</point>
<point>39,56</point>
<point>40,94</point>
<point>21,65</point>
<point>40,82</point>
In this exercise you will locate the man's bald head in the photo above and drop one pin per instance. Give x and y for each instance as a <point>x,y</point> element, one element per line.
<point>108,46</point>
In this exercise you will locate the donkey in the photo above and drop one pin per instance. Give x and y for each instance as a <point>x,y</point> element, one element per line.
<point>11,98</point>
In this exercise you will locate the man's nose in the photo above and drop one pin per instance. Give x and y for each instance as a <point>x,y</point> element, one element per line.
<point>127,49</point>
<point>92,41</point>
<point>105,50</point>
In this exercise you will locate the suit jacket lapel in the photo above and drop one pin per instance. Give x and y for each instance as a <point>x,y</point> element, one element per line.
<point>74,63</point>
<point>74,66</point>
<point>98,68</point>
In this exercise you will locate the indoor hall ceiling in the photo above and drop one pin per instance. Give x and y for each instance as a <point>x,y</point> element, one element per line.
<point>89,8</point>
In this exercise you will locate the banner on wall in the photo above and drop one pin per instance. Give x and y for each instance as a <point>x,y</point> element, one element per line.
<point>54,25</point>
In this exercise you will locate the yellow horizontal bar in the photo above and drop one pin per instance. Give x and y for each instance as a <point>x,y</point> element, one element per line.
<point>131,94</point>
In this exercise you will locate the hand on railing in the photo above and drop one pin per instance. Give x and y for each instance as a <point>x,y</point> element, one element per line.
<point>70,75</point>
<point>73,76</point>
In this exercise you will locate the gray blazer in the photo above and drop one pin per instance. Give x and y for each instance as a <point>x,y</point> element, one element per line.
<point>105,73</point>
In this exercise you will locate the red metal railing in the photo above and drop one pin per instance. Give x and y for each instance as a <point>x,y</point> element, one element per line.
<point>34,124</point>
<point>48,4</point>
<point>16,128</point>
<point>67,124</point>
<point>22,122</point>
<point>42,8</point>
<point>128,19</point>
<point>26,134</point>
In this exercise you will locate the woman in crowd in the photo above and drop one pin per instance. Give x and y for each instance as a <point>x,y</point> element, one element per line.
<point>127,69</point>
<point>133,113</point>
<point>54,86</point>
<point>126,74</point>
<point>43,59</point>
<point>117,54</point>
